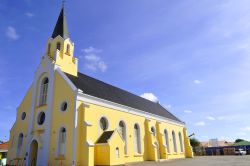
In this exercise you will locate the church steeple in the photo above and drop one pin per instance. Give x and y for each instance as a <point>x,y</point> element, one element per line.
<point>60,49</point>
<point>61,27</point>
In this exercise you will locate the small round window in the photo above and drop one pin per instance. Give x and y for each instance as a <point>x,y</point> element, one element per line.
<point>23,116</point>
<point>104,123</point>
<point>41,118</point>
<point>64,106</point>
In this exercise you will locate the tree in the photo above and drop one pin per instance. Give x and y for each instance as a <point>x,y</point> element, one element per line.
<point>239,140</point>
<point>194,142</point>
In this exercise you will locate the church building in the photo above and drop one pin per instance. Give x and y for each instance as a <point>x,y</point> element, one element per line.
<point>68,118</point>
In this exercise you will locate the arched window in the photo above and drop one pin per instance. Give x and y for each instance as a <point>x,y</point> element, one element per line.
<point>62,142</point>
<point>117,152</point>
<point>174,141</point>
<point>68,49</point>
<point>49,47</point>
<point>153,131</point>
<point>166,140</point>
<point>44,91</point>
<point>19,144</point>
<point>58,46</point>
<point>137,139</point>
<point>104,123</point>
<point>122,131</point>
<point>181,143</point>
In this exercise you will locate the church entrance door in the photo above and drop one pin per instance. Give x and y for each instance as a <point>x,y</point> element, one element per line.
<point>33,153</point>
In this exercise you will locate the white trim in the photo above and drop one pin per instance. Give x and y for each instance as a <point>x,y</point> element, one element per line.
<point>58,139</point>
<point>114,134</point>
<point>90,143</point>
<point>44,139</point>
<point>70,83</point>
<point>75,129</point>
<point>87,123</point>
<point>94,100</point>
<point>73,87</point>
<point>126,135</point>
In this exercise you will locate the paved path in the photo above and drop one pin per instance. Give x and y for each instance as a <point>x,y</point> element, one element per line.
<point>202,161</point>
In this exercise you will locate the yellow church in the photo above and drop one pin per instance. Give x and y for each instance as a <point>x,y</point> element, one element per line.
<point>68,118</point>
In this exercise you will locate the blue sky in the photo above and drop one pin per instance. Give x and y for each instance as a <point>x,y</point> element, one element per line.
<point>193,56</point>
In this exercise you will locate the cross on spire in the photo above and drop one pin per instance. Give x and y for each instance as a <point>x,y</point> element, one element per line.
<point>63,2</point>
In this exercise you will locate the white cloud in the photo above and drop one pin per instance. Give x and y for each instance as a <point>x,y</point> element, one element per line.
<point>210,118</point>
<point>246,129</point>
<point>91,50</point>
<point>201,123</point>
<point>11,33</point>
<point>150,96</point>
<point>188,111</point>
<point>197,81</point>
<point>29,14</point>
<point>92,60</point>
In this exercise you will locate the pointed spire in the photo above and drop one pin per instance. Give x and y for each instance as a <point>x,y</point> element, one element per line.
<point>61,27</point>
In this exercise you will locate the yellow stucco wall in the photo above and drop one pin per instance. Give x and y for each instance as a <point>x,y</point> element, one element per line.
<point>116,142</point>
<point>102,155</point>
<point>20,126</point>
<point>62,92</point>
<point>66,60</point>
<point>106,153</point>
<point>92,113</point>
<point>88,131</point>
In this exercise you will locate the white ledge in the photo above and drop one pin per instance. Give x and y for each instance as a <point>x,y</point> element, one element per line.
<point>90,143</point>
<point>87,123</point>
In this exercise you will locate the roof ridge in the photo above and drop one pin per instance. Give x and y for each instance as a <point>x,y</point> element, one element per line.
<point>121,89</point>
<point>100,89</point>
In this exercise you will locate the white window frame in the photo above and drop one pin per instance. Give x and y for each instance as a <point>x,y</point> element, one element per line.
<point>61,146</point>
<point>19,144</point>
<point>43,91</point>
<point>107,125</point>
<point>124,135</point>
<point>167,140</point>
<point>181,141</point>
<point>174,141</point>
<point>137,139</point>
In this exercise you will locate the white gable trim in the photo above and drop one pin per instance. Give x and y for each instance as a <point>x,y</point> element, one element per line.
<point>73,87</point>
<point>105,103</point>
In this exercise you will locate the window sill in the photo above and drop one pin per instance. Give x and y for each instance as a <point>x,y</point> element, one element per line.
<point>138,155</point>
<point>61,157</point>
<point>39,131</point>
<point>41,106</point>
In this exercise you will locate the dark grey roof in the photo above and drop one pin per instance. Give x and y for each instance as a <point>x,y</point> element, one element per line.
<point>61,27</point>
<point>105,137</point>
<point>96,88</point>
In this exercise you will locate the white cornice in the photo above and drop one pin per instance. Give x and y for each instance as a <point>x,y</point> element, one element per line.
<point>105,103</point>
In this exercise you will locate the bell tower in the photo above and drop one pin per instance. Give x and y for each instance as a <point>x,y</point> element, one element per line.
<point>60,49</point>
